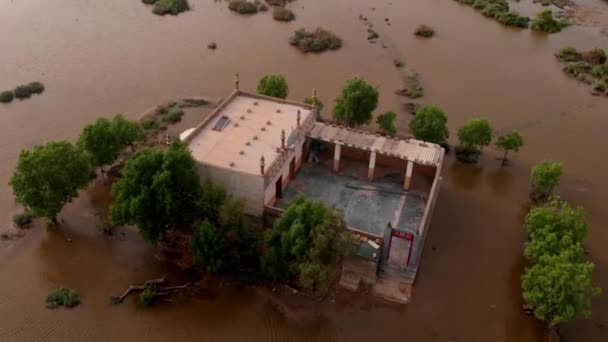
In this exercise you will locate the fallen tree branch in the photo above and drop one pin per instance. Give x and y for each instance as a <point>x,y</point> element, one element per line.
<point>159,291</point>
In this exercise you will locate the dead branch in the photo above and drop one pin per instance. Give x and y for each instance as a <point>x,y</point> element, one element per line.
<point>160,291</point>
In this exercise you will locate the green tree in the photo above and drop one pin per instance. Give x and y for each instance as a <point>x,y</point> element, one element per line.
<point>475,134</point>
<point>158,191</point>
<point>355,105</point>
<point>309,100</point>
<point>511,141</point>
<point>545,22</point>
<point>100,141</point>
<point>49,176</point>
<point>430,124</point>
<point>273,85</point>
<point>386,122</point>
<point>306,243</point>
<point>126,132</point>
<point>545,177</point>
<point>559,290</point>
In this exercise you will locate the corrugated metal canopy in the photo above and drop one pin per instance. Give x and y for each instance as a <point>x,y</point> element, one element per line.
<point>411,149</point>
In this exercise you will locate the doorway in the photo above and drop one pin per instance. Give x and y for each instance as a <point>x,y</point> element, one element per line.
<point>279,188</point>
<point>292,169</point>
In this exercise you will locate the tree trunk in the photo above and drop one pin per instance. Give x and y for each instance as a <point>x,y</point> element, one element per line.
<point>504,158</point>
<point>159,291</point>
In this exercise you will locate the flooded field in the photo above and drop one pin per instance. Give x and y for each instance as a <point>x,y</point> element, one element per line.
<point>102,58</point>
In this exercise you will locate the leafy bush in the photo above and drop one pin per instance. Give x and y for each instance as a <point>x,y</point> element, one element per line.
<point>577,68</point>
<point>511,141</point>
<point>273,85</point>
<point>35,87</point>
<point>568,54</point>
<point>7,96</point>
<point>494,10</point>
<point>174,115</point>
<point>356,103</point>
<point>424,31</point>
<point>430,124</point>
<point>62,297</point>
<point>513,19</point>
<point>545,177</point>
<point>480,4</point>
<point>243,7</point>
<point>386,122</point>
<point>173,7</point>
<point>23,220</point>
<point>594,56</point>
<point>600,71</point>
<point>22,92</point>
<point>601,87</point>
<point>150,123</point>
<point>283,14</point>
<point>475,134</point>
<point>317,41</point>
<point>147,296</point>
<point>544,22</point>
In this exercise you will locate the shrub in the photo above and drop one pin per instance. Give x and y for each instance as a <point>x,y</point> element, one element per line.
<point>147,296</point>
<point>545,177</point>
<point>22,92</point>
<point>283,14</point>
<point>23,220</point>
<point>466,2</point>
<point>317,41</point>
<point>62,297</point>
<point>544,22</point>
<point>513,19</point>
<point>356,103</point>
<point>511,141</point>
<point>273,85</point>
<point>480,4</point>
<point>242,7</point>
<point>35,87</point>
<point>568,54</point>
<point>424,31</point>
<point>192,103</point>
<point>474,135</point>
<point>430,124</point>
<point>600,87</point>
<point>174,115</point>
<point>594,56</point>
<point>577,68</point>
<point>173,7</point>
<point>600,71</point>
<point>7,96</point>
<point>386,122</point>
<point>150,123</point>
<point>149,2</point>
<point>494,10</point>
<point>277,2</point>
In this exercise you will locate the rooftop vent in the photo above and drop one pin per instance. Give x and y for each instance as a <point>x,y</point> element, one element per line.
<point>278,110</point>
<point>255,103</point>
<point>263,129</point>
<point>242,152</point>
<point>255,137</point>
<point>268,123</point>
<point>248,144</point>
<point>221,123</point>
<point>231,164</point>
<point>236,124</point>
<point>248,110</point>
<point>242,117</point>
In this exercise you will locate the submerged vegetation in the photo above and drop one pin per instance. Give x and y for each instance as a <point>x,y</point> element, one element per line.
<point>273,85</point>
<point>589,67</point>
<point>316,41</point>
<point>283,14</point>
<point>424,31</point>
<point>356,103</point>
<point>24,91</point>
<point>499,11</point>
<point>412,87</point>
<point>244,6</point>
<point>164,7</point>
<point>64,296</point>
<point>473,137</point>
<point>544,22</point>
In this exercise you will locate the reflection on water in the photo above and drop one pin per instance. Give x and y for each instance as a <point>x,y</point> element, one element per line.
<point>101,58</point>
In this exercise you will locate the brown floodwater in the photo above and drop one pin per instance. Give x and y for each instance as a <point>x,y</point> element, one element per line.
<point>98,58</point>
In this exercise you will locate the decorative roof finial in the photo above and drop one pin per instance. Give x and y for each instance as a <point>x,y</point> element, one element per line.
<point>236,82</point>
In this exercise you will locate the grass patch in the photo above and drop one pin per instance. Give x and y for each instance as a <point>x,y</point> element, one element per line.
<point>568,54</point>
<point>283,14</point>
<point>412,87</point>
<point>424,31</point>
<point>513,19</point>
<point>62,297</point>
<point>577,68</point>
<point>544,22</point>
<point>243,7</point>
<point>23,220</point>
<point>7,96</point>
<point>316,41</point>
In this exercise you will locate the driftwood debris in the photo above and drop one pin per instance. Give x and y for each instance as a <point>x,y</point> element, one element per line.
<point>159,290</point>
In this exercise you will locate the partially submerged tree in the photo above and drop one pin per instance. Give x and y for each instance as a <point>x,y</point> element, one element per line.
<point>545,22</point>
<point>559,290</point>
<point>273,85</point>
<point>511,141</point>
<point>430,124</point>
<point>356,103</point>
<point>386,122</point>
<point>473,136</point>
<point>49,176</point>
<point>545,177</point>
<point>99,140</point>
<point>158,191</point>
<point>126,132</point>
<point>305,244</point>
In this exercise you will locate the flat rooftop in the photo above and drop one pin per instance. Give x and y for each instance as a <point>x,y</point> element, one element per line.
<point>245,127</point>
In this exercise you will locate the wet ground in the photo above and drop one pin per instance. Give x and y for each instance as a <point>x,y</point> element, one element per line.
<point>101,58</point>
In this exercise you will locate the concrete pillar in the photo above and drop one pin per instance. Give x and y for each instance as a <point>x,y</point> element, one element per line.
<point>262,165</point>
<point>236,82</point>
<point>298,119</point>
<point>337,158</point>
<point>408,175</point>
<point>283,139</point>
<point>372,166</point>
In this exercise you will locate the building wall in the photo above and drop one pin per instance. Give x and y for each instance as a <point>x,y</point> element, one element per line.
<point>239,185</point>
<point>270,191</point>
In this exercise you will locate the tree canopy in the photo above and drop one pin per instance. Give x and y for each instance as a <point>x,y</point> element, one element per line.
<point>306,243</point>
<point>475,134</point>
<point>49,176</point>
<point>545,177</point>
<point>511,141</point>
<point>273,85</point>
<point>430,124</point>
<point>309,100</point>
<point>100,141</point>
<point>558,289</point>
<point>158,191</point>
<point>386,122</point>
<point>356,103</point>
<point>126,132</point>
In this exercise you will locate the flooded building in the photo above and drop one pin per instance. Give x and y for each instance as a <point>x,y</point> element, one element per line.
<point>267,150</point>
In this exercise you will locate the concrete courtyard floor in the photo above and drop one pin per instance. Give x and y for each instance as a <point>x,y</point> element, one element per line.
<point>367,206</point>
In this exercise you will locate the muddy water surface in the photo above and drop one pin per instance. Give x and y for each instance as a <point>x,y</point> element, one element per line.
<point>100,58</point>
